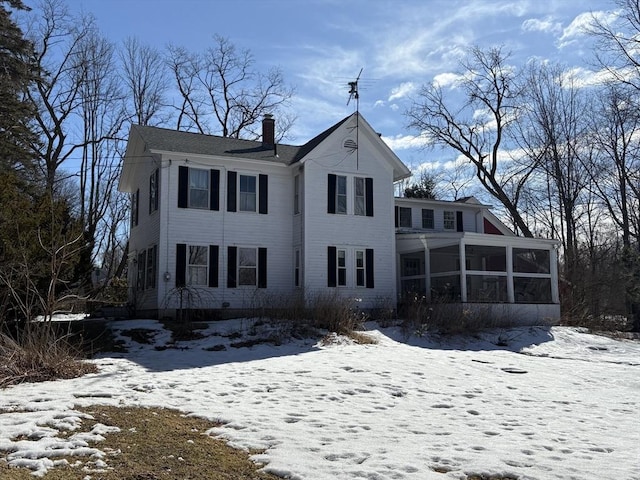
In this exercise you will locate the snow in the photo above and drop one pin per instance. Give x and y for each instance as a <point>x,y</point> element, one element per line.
<point>529,403</point>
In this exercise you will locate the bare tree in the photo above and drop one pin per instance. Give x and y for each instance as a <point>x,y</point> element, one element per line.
<point>477,128</point>
<point>102,113</point>
<point>222,92</point>
<point>145,77</point>
<point>56,94</point>
<point>553,131</point>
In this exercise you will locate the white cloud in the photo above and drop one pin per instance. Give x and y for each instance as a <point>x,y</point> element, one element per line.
<point>404,142</point>
<point>546,25</point>
<point>447,79</point>
<point>402,90</point>
<point>581,24</point>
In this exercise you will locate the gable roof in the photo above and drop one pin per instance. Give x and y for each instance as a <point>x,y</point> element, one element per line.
<point>163,140</point>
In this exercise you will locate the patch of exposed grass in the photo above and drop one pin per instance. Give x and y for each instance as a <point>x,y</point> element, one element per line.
<point>153,444</point>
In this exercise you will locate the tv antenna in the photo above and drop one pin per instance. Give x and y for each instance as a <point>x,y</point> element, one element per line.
<point>353,90</point>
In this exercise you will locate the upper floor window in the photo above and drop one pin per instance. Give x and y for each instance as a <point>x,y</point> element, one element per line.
<point>449,220</point>
<point>135,200</point>
<point>153,191</point>
<point>198,188</point>
<point>337,194</point>
<point>427,218</point>
<point>403,217</point>
<point>296,194</point>
<point>363,196</point>
<point>247,193</point>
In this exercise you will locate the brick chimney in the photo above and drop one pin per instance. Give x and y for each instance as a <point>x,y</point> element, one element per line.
<point>268,131</point>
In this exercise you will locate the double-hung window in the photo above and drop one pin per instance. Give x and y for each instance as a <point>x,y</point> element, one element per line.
<point>198,188</point>
<point>135,200</point>
<point>152,269</point>
<point>403,217</point>
<point>427,218</point>
<point>247,266</point>
<point>153,191</point>
<point>341,195</point>
<point>363,196</point>
<point>197,265</point>
<point>360,268</point>
<point>337,194</point>
<point>449,220</point>
<point>342,267</point>
<point>248,193</point>
<point>141,264</point>
<point>296,194</point>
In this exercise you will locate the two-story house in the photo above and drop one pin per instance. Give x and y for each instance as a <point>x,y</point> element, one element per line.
<point>226,223</point>
<point>222,223</point>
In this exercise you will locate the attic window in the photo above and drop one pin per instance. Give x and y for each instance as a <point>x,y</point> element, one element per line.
<point>350,144</point>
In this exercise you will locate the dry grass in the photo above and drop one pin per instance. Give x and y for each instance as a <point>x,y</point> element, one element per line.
<point>39,354</point>
<point>153,444</point>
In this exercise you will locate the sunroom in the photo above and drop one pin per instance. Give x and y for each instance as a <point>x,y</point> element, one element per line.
<point>511,277</point>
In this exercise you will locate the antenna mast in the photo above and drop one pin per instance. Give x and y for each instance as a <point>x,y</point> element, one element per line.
<point>353,91</point>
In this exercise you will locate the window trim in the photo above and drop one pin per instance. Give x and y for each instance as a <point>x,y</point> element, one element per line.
<point>204,266</point>
<point>428,220</point>
<point>399,217</point>
<point>341,282</point>
<point>296,194</point>
<point>151,267</point>
<point>243,195</point>
<point>445,220</point>
<point>190,188</point>
<point>154,190</point>
<point>360,283</point>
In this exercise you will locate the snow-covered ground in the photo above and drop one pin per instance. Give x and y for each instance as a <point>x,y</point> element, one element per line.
<point>529,403</point>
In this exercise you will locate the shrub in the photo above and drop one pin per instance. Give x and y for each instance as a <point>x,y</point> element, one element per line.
<point>419,316</point>
<point>38,354</point>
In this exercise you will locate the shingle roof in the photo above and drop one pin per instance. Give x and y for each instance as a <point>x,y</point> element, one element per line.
<point>163,139</point>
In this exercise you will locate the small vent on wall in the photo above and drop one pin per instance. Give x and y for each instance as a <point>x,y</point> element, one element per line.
<point>350,144</point>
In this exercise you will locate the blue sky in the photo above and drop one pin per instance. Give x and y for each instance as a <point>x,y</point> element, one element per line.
<point>322,44</point>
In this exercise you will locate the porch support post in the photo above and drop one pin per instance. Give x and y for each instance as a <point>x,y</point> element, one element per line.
<point>553,259</point>
<point>510,290</point>
<point>427,274</point>
<point>463,272</point>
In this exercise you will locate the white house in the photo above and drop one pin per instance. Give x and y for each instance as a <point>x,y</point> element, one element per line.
<point>220,223</point>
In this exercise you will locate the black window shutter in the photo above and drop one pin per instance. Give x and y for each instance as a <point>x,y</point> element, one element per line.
<point>459,225</point>
<point>369,267</point>
<point>263,192</point>
<point>397,215</point>
<point>214,192</point>
<point>181,265</point>
<point>135,220</point>
<point>231,191</point>
<point>183,187</point>
<point>331,194</point>
<point>232,253</point>
<point>262,268</point>
<point>331,266</point>
<point>368,182</point>
<point>214,252</point>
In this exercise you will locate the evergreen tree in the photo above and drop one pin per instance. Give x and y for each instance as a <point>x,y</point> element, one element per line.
<point>17,72</point>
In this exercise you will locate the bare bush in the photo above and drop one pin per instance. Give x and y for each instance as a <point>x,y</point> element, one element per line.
<point>420,315</point>
<point>38,354</point>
